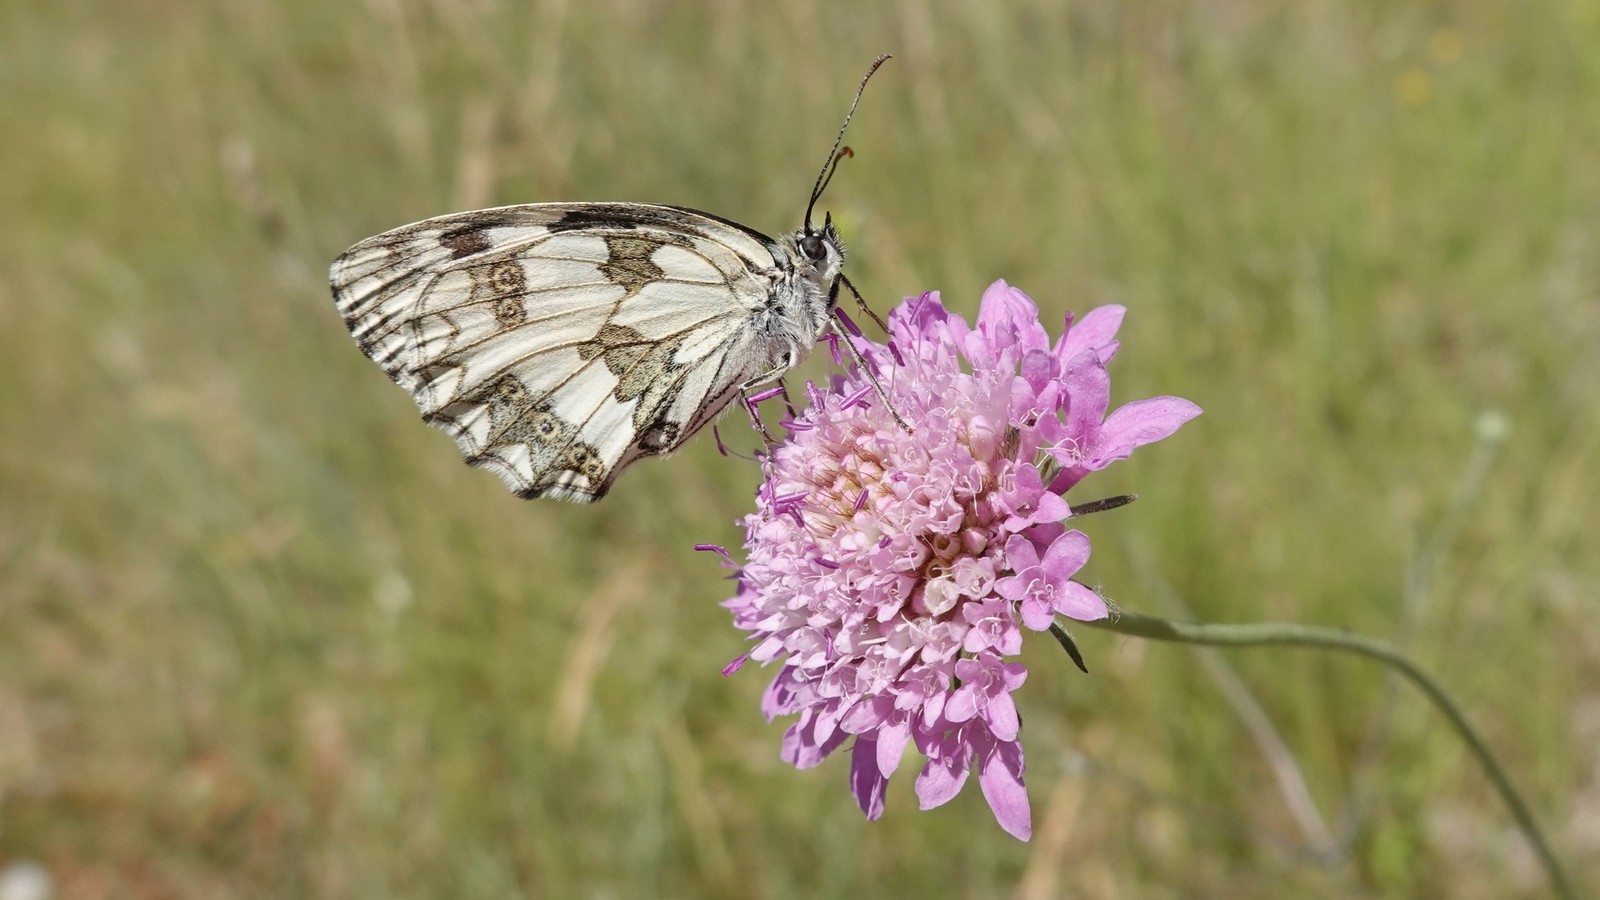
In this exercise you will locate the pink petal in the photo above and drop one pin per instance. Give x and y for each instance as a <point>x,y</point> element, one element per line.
<point>1001,714</point>
<point>1096,331</point>
<point>865,781</point>
<point>1037,369</point>
<point>794,748</point>
<point>1011,587</point>
<point>940,781</point>
<point>1021,317</point>
<point>1020,554</point>
<point>963,703</point>
<point>1141,422</point>
<point>866,715</point>
<point>1088,397</point>
<point>993,308</point>
<point>1066,555</point>
<point>1078,602</point>
<point>1037,614</point>
<point>1045,533</point>
<point>892,740</point>
<point>779,698</point>
<point>954,328</point>
<point>919,320</point>
<point>1000,776</point>
<point>1051,509</point>
<point>801,747</point>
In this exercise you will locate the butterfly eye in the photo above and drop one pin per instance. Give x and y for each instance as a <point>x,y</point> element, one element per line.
<point>811,245</point>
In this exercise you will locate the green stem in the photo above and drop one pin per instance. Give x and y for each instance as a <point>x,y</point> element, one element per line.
<point>1261,633</point>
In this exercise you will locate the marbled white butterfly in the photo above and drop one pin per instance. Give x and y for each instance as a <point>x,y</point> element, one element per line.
<point>559,342</point>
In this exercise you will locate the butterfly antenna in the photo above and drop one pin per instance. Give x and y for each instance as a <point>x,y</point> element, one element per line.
<point>834,155</point>
<point>832,168</point>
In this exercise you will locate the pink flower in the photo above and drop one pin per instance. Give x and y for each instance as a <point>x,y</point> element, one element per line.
<point>889,573</point>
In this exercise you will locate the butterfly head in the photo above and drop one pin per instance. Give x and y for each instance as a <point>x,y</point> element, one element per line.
<point>819,251</point>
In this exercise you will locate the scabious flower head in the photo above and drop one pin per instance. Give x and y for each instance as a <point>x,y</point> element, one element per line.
<point>890,574</point>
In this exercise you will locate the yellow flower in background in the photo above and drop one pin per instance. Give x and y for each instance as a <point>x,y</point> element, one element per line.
<point>1413,87</point>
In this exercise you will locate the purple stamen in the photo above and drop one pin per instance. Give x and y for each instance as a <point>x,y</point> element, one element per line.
<point>849,325</point>
<point>738,663</point>
<point>767,394</point>
<point>859,398</point>
<point>790,505</point>
<point>895,352</point>
<point>718,549</point>
<point>833,347</point>
<point>812,394</point>
<point>792,425</point>
<point>861,501</point>
<point>721,447</point>
<point>825,563</point>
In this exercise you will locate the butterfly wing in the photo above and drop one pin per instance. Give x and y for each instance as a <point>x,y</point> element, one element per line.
<point>558,342</point>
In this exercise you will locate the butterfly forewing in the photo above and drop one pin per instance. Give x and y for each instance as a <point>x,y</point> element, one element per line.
<point>557,342</point>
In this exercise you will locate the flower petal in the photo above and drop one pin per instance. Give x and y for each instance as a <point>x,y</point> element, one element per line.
<point>1037,614</point>
<point>1138,423</point>
<point>892,740</point>
<point>1001,714</point>
<point>1096,331</point>
<point>1037,369</point>
<point>1089,395</point>
<point>1008,313</point>
<point>1000,776</point>
<point>867,715</point>
<point>1020,554</point>
<point>940,780</point>
<point>963,703</point>
<point>1065,556</point>
<point>1078,602</point>
<point>866,782</point>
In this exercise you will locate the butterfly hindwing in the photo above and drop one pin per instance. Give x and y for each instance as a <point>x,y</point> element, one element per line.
<point>558,342</point>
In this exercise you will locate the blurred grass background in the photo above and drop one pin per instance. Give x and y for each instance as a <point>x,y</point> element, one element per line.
<point>262,634</point>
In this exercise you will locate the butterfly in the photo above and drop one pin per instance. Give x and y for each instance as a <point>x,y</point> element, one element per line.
<point>557,343</point>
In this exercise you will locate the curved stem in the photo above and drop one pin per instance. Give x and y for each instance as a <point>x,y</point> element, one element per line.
<point>1260,633</point>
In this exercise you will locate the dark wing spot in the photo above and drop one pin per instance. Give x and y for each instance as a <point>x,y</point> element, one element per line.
<point>465,241</point>
<point>610,339</point>
<point>502,285</point>
<point>506,277</point>
<point>583,459</point>
<point>581,217</point>
<point>643,368</point>
<point>628,261</point>
<point>509,311</point>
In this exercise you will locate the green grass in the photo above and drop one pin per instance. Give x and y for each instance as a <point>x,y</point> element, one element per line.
<point>262,634</point>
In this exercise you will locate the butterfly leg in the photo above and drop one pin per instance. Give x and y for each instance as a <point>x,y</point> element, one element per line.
<point>861,303</point>
<point>749,400</point>
<point>865,365</point>
<point>788,405</point>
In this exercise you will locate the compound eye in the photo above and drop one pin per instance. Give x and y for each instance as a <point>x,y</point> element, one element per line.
<point>811,245</point>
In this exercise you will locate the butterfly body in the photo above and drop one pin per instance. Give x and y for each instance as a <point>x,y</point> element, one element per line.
<point>559,342</point>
